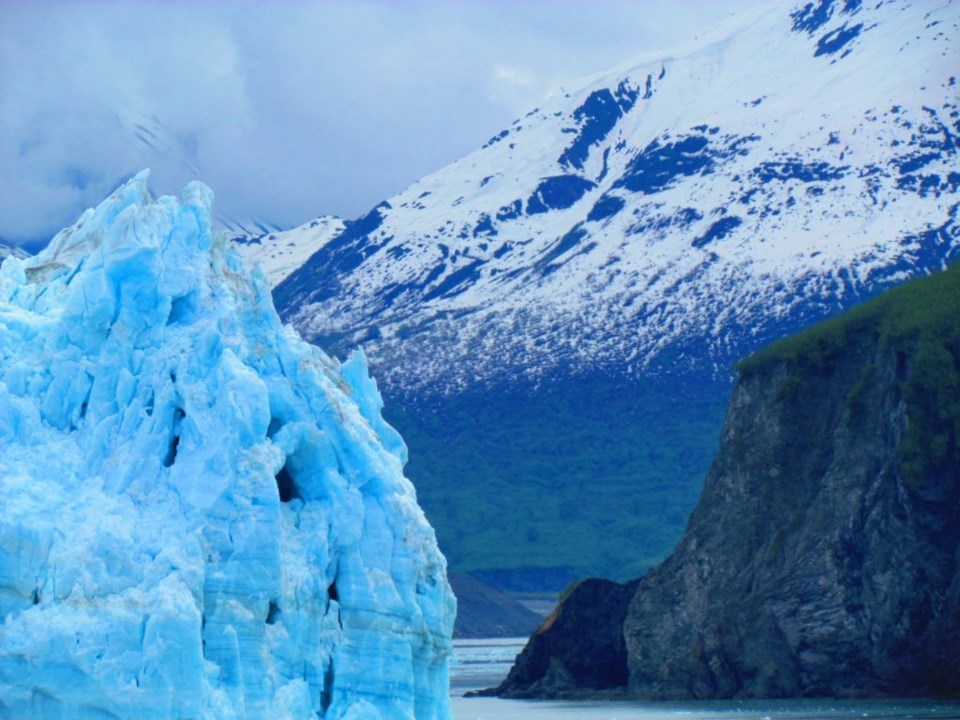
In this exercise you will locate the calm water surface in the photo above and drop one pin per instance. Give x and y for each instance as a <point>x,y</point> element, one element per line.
<point>484,663</point>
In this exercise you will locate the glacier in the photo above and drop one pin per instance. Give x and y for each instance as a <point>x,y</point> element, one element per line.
<point>203,516</point>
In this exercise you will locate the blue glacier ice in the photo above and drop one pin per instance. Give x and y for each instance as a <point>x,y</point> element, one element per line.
<point>201,515</point>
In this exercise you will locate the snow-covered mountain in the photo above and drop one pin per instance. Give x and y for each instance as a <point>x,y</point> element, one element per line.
<point>280,253</point>
<point>553,318</point>
<point>674,212</point>
<point>203,515</point>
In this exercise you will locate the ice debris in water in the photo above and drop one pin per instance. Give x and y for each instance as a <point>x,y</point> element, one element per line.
<point>201,515</point>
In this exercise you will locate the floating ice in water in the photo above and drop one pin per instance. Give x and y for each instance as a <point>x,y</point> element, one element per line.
<point>202,515</point>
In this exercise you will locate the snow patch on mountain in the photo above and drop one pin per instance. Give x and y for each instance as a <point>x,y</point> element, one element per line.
<point>280,253</point>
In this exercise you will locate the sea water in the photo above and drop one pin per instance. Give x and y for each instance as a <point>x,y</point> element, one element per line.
<point>481,664</point>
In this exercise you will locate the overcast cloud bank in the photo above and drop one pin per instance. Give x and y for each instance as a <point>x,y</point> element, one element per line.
<point>289,109</point>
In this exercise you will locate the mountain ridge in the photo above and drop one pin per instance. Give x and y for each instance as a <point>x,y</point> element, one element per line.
<point>469,250</point>
<point>279,252</point>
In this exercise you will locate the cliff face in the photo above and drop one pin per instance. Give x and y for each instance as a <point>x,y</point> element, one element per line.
<point>810,567</point>
<point>824,555</point>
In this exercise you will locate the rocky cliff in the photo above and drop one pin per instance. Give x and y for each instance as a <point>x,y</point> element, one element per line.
<point>823,558</point>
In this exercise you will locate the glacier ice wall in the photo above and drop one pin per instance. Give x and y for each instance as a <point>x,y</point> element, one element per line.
<point>201,515</point>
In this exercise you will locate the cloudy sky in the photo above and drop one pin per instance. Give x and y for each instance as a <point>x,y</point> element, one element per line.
<point>288,109</point>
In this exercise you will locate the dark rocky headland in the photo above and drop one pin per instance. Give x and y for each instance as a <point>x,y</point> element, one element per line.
<point>823,558</point>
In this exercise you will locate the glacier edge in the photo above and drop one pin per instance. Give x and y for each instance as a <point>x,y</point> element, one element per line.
<point>204,516</point>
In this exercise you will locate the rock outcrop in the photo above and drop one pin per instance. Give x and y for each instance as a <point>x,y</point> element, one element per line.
<point>576,647</point>
<point>823,558</point>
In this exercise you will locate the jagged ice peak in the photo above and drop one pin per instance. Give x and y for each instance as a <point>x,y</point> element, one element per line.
<point>203,515</point>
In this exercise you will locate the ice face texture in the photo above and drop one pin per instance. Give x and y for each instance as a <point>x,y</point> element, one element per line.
<point>201,515</point>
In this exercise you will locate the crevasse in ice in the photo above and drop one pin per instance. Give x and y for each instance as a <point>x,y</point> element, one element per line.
<point>201,516</point>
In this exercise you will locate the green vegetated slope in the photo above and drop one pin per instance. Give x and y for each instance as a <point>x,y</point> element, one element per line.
<point>530,488</point>
<point>821,559</point>
<point>920,321</point>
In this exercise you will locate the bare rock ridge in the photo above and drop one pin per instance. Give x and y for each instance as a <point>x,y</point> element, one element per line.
<point>823,558</point>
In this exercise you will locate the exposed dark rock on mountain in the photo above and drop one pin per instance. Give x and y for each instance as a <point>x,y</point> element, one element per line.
<point>823,558</point>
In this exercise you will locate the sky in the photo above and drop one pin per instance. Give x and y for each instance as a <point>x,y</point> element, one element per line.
<point>288,109</point>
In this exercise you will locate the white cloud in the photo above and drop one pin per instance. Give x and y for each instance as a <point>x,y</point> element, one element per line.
<point>514,75</point>
<point>288,109</point>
